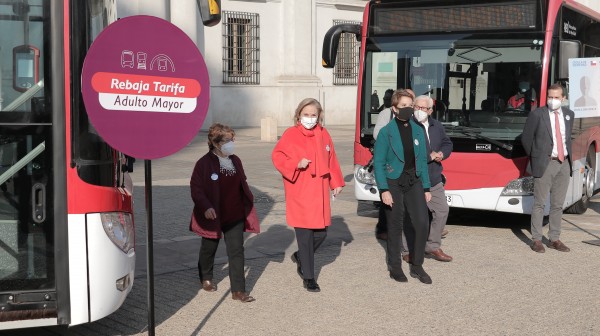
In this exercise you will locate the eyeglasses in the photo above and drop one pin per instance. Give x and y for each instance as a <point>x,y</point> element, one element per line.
<point>423,108</point>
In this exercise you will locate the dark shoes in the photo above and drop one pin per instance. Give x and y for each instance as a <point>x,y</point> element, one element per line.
<point>242,296</point>
<point>209,286</point>
<point>311,285</point>
<point>558,245</point>
<point>537,246</point>
<point>398,276</point>
<point>439,255</point>
<point>296,261</point>
<point>419,273</point>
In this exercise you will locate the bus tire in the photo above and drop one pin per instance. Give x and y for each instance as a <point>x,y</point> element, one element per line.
<point>582,205</point>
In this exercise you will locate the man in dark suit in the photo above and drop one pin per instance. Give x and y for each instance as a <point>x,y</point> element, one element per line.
<point>547,141</point>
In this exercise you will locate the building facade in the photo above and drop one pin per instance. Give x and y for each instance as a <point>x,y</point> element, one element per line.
<point>264,56</point>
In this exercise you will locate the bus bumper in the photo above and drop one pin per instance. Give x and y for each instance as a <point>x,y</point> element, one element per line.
<point>111,271</point>
<point>489,199</point>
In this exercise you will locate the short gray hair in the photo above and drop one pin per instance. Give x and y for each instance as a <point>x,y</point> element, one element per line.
<point>425,98</point>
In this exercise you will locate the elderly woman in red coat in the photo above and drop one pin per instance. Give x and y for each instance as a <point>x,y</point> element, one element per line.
<point>223,206</point>
<point>306,159</point>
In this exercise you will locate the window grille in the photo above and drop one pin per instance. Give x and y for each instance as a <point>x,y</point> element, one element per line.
<point>241,48</point>
<point>345,71</point>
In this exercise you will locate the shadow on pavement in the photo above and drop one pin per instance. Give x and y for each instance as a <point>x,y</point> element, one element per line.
<point>338,235</point>
<point>271,245</point>
<point>266,247</point>
<point>175,260</point>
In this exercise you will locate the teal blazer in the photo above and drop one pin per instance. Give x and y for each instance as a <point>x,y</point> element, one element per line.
<point>388,160</point>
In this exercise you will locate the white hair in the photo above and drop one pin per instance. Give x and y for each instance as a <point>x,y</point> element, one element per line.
<point>425,98</point>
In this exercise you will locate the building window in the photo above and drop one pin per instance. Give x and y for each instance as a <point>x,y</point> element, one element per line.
<point>345,71</point>
<point>241,48</point>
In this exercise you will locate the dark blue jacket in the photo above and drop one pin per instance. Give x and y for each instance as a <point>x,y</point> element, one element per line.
<point>438,141</point>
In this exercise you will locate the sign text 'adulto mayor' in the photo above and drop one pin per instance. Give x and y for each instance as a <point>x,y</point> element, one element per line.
<point>118,91</point>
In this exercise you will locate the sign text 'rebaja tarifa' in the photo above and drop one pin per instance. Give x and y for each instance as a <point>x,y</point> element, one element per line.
<point>145,86</point>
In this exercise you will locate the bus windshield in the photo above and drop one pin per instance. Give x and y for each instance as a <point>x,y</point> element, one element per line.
<point>483,85</point>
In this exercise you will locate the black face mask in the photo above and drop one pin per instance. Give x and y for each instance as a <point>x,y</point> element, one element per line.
<point>404,113</point>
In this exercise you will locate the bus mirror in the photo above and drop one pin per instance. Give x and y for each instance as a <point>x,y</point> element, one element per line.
<point>332,40</point>
<point>568,50</point>
<point>210,11</point>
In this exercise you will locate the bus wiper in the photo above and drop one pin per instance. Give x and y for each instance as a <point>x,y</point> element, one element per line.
<point>490,140</point>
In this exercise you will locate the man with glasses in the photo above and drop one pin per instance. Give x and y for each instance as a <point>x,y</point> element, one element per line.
<point>439,147</point>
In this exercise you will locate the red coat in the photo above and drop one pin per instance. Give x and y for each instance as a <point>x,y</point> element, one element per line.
<point>307,191</point>
<point>205,194</point>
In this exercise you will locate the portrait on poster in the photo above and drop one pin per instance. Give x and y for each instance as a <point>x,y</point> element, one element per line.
<point>584,86</point>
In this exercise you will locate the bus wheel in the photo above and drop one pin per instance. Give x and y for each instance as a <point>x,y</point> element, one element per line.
<point>588,184</point>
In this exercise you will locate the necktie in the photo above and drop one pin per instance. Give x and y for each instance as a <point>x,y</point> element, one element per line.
<point>559,143</point>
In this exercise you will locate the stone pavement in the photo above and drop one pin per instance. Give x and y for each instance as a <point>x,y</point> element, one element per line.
<point>495,286</point>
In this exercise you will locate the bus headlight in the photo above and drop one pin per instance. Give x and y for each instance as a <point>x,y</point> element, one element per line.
<point>364,176</point>
<point>119,228</point>
<point>519,187</point>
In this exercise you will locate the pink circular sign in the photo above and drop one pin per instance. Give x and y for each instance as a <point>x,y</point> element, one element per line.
<point>145,87</point>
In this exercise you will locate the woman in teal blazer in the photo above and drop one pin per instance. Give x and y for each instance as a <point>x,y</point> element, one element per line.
<point>401,173</point>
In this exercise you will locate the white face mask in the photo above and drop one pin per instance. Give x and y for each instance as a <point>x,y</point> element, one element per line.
<point>308,122</point>
<point>554,104</point>
<point>228,148</point>
<point>421,115</point>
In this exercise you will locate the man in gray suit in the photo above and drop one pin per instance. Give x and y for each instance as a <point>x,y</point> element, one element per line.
<point>547,141</point>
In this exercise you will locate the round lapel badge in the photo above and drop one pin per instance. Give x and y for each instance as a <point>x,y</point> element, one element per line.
<point>214,176</point>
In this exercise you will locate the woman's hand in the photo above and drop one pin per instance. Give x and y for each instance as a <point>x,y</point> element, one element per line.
<point>303,163</point>
<point>386,197</point>
<point>427,196</point>
<point>210,214</point>
<point>337,191</point>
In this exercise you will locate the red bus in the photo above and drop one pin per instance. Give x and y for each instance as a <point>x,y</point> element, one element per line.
<point>476,60</point>
<point>67,253</point>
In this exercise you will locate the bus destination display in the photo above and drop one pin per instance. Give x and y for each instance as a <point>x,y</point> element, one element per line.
<point>501,16</point>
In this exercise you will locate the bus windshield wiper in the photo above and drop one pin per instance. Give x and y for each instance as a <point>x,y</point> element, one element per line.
<point>490,140</point>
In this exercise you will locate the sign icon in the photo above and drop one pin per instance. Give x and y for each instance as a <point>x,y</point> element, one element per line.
<point>127,58</point>
<point>145,109</point>
<point>141,60</point>
<point>162,62</point>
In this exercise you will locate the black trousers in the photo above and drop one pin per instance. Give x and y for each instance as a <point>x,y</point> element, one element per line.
<point>309,241</point>
<point>381,226</point>
<point>234,243</point>
<point>410,203</point>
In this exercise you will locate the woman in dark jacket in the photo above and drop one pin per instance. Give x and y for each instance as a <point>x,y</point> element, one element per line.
<point>400,165</point>
<point>223,206</point>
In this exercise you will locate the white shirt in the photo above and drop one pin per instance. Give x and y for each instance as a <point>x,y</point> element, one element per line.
<point>426,124</point>
<point>561,122</point>
<point>383,118</point>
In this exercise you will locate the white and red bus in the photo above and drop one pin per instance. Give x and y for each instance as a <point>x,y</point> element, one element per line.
<point>66,228</point>
<point>471,58</point>
<point>67,253</point>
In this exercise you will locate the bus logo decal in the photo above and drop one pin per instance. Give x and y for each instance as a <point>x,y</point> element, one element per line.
<point>483,147</point>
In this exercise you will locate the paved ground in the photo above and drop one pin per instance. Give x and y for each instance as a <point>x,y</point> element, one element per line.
<point>495,286</point>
